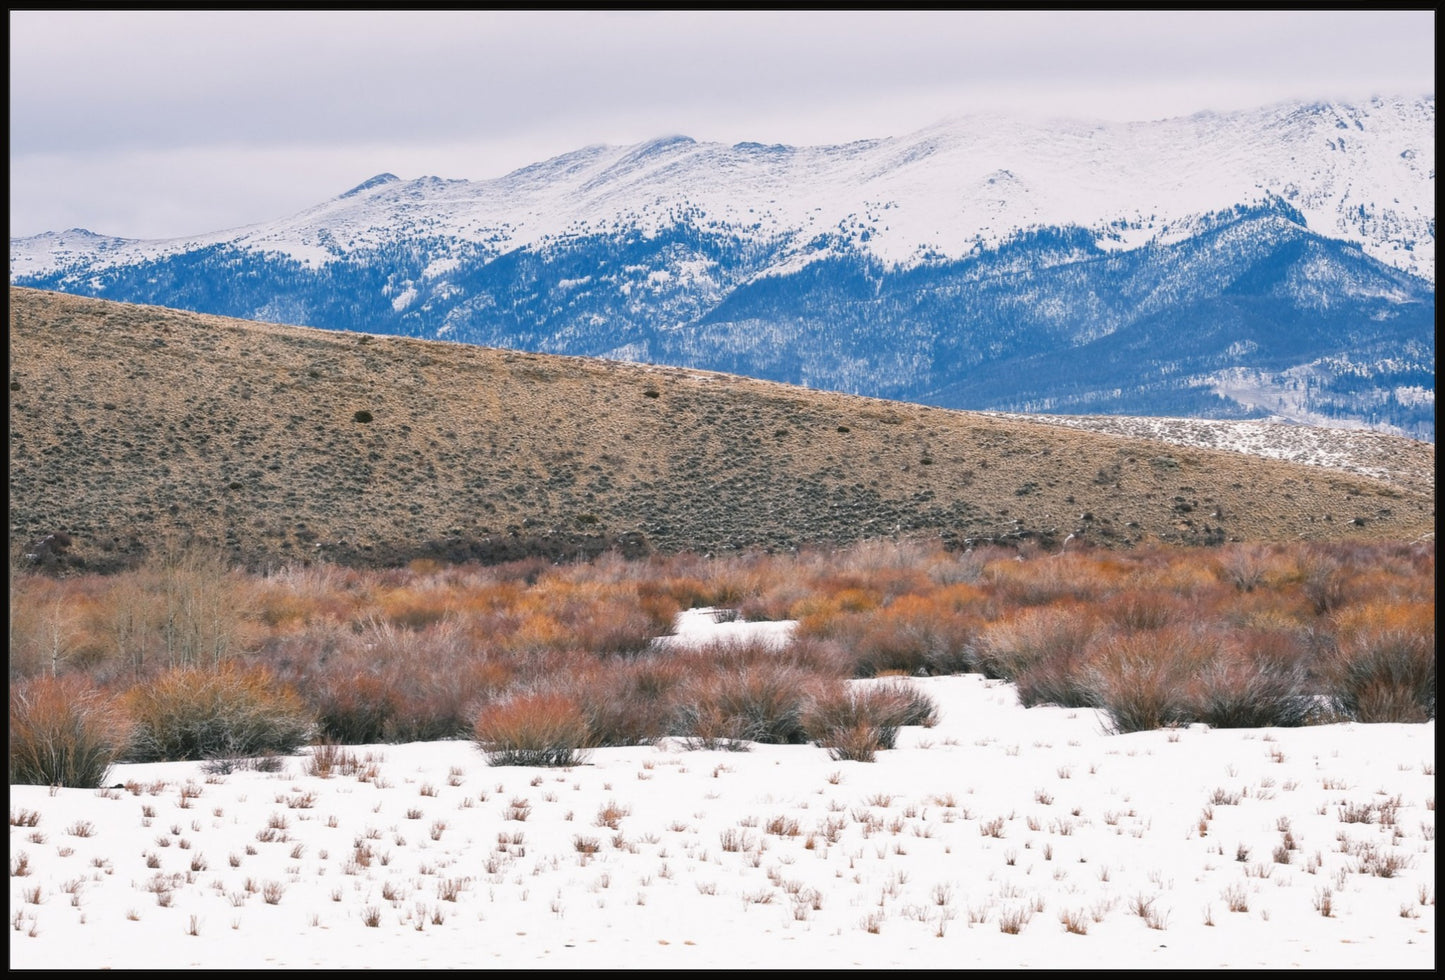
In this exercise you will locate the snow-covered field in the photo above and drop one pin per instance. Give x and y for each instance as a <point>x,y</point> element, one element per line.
<point>1002,837</point>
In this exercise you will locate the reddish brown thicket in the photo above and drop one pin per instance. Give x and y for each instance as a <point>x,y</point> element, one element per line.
<point>855,722</point>
<point>1240,635</point>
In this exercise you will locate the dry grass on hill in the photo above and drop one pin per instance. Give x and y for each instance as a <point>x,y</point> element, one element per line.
<point>131,424</point>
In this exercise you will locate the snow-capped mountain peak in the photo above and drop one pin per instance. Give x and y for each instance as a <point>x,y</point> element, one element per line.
<point>380,180</point>
<point>911,266</point>
<point>1362,173</point>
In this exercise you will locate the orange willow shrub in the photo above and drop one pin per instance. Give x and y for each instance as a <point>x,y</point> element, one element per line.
<point>827,614</point>
<point>1145,609</point>
<point>775,601</point>
<point>605,619</point>
<point>684,592</point>
<point>413,607</point>
<point>224,711</point>
<point>64,732</point>
<point>612,622</point>
<point>1183,575</point>
<point>1141,679</point>
<point>1045,652</point>
<point>1382,668</point>
<point>533,729</point>
<point>1266,609</point>
<point>1043,580</point>
<point>660,608</point>
<point>415,652</point>
<point>914,634</point>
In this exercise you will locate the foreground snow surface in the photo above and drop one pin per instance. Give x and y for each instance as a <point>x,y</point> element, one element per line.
<point>1163,850</point>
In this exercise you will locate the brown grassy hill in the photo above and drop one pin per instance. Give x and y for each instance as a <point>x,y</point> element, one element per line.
<point>130,424</point>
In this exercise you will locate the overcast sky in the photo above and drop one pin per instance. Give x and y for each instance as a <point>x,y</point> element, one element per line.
<point>152,124</point>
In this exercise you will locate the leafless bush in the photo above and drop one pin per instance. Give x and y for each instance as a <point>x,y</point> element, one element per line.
<point>200,601</point>
<point>1075,921</point>
<point>63,732</point>
<point>854,722</point>
<point>327,759</point>
<point>1239,690</point>
<point>1013,920</point>
<point>1383,666</point>
<point>533,730</point>
<point>220,712</point>
<point>1244,565</point>
<point>1044,652</point>
<point>393,684</point>
<point>1140,678</point>
<point>631,702</point>
<point>745,697</point>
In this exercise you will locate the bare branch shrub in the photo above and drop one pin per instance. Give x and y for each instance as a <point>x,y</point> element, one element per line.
<point>222,712</point>
<point>854,721</point>
<point>63,732</point>
<point>540,729</point>
<point>1043,651</point>
<point>1383,666</point>
<point>1251,683</point>
<point>1140,678</point>
<point>750,693</point>
<point>200,601</point>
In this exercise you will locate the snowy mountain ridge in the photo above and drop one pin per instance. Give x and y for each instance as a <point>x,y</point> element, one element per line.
<point>1362,173</point>
<point>1277,262</point>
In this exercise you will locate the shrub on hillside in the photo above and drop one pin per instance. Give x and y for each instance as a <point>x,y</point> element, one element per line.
<point>63,732</point>
<point>533,729</point>
<point>222,712</point>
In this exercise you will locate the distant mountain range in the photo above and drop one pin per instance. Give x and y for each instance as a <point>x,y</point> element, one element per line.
<point>1275,262</point>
